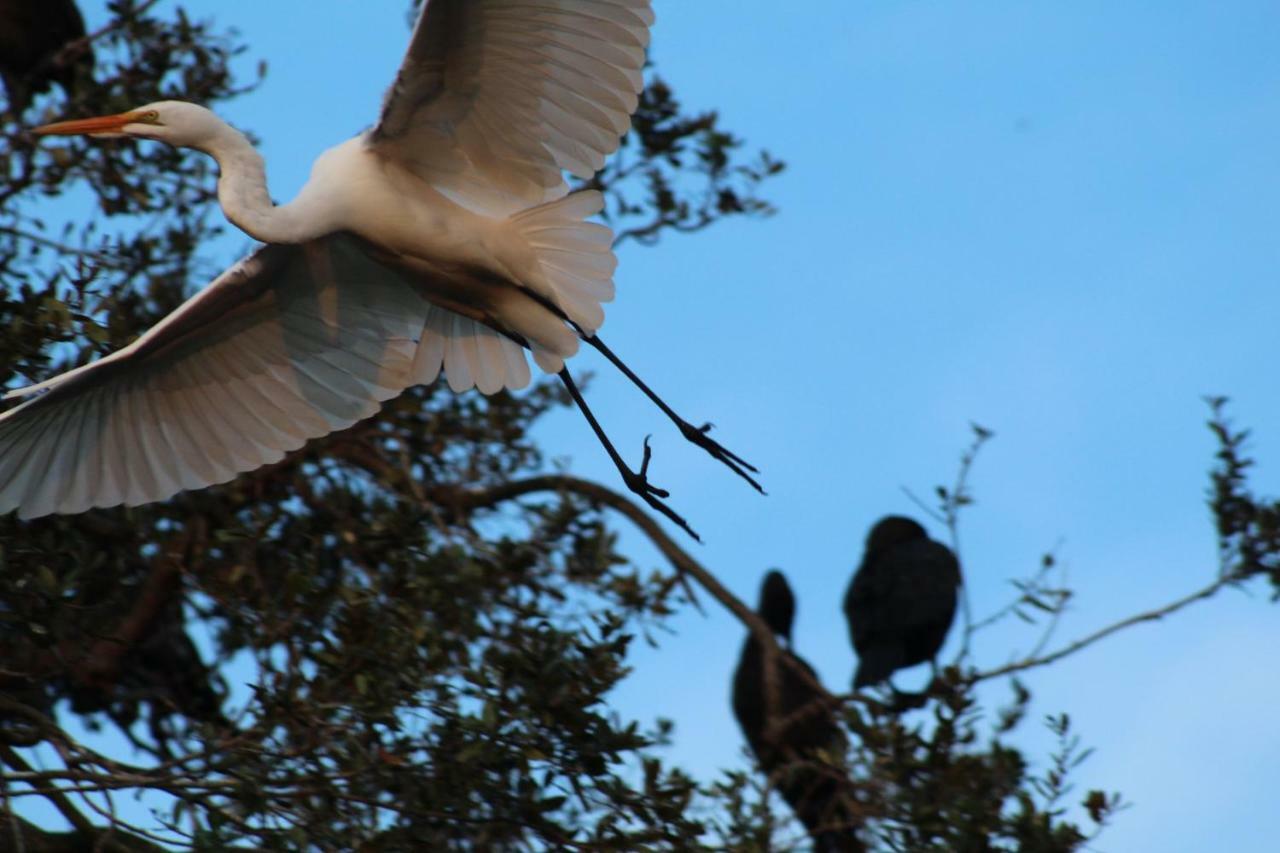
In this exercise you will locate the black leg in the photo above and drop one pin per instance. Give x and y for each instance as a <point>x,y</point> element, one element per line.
<point>636,482</point>
<point>698,435</point>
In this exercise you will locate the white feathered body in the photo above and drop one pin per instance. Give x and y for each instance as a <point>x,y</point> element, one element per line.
<point>479,266</point>
<point>390,206</point>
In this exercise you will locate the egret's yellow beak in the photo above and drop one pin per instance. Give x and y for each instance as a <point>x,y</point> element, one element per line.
<point>112,124</point>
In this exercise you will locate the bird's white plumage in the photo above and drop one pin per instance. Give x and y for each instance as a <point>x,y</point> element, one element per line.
<point>574,258</point>
<point>415,250</point>
<point>496,98</point>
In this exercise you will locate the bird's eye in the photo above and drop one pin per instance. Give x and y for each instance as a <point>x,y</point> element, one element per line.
<point>151,117</point>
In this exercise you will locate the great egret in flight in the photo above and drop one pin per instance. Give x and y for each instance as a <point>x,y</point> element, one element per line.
<point>901,601</point>
<point>445,237</point>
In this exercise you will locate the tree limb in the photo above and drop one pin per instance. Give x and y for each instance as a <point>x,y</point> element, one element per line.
<point>37,840</point>
<point>102,662</point>
<point>84,836</point>
<point>99,257</point>
<point>463,500</point>
<point>69,51</point>
<point>466,500</point>
<point>59,800</point>
<point>1071,648</point>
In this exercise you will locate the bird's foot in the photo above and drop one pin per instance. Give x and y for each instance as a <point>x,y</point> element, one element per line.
<point>638,483</point>
<point>701,436</point>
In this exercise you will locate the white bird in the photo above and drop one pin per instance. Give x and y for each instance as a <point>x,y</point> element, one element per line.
<point>445,237</point>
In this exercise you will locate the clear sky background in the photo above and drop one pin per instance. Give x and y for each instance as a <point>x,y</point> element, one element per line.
<point>1056,219</point>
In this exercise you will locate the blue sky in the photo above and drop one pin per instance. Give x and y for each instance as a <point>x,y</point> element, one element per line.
<point>1054,219</point>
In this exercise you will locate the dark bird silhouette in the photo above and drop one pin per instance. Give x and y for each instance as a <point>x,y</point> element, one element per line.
<point>901,601</point>
<point>31,34</point>
<point>786,722</point>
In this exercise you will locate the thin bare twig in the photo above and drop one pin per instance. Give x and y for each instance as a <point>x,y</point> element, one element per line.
<point>1071,648</point>
<point>1060,596</point>
<point>949,515</point>
<point>924,507</point>
<point>1033,587</point>
<point>104,258</point>
<point>952,503</point>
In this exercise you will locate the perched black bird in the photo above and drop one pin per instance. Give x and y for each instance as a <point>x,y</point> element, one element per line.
<point>767,691</point>
<point>31,34</point>
<point>901,601</point>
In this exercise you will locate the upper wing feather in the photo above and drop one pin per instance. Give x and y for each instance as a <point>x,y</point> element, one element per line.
<point>292,343</point>
<point>495,99</point>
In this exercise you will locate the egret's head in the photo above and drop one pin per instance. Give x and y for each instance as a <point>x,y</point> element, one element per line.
<point>175,122</point>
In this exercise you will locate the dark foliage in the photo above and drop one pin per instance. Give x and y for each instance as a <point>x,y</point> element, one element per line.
<point>41,42</point>
<point>1248,526</point>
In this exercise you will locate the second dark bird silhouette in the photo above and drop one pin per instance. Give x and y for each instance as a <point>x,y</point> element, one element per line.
<point>787,723</point>
<point>901,601</point>
<point>32,32</point>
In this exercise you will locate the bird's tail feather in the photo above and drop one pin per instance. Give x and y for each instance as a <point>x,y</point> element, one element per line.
<point>572,271</point>
<point>574,257</point>
<point>470,352</point>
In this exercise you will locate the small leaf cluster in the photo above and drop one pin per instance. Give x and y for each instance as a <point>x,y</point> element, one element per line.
<point>1248,526</point>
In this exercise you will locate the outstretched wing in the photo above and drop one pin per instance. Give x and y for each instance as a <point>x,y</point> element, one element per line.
<point>289,344</point>
<point>495,99</point>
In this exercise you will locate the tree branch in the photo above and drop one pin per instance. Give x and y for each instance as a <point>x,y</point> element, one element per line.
<point>84,836</point>
<point>465,500</point>
<point>60,801</point>
<point>99,257</point>
<point>37,840</point>
<point>462,500</point>
<point>101,665</point>
<point>1071,648</point>
<point>69,51</point>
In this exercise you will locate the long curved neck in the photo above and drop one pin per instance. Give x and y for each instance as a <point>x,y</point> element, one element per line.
<point>242,192</point>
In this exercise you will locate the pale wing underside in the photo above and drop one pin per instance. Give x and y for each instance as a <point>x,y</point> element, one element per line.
<point>495,99</point>
<point>471,354</point>
<point>292,343</point>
